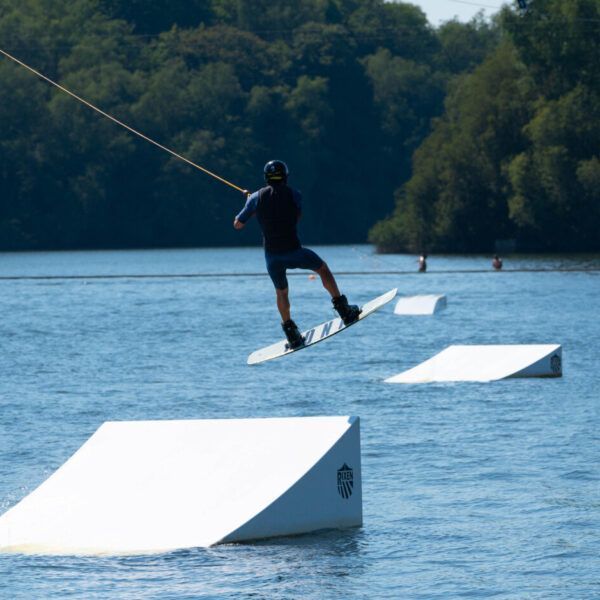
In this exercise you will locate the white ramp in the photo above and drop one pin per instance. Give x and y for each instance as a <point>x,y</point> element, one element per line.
<point>420,305</point>
<point>138,487</point>
<point>486,363</point>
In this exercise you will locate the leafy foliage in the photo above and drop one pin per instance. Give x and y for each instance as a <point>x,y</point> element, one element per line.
<point>515,154</point>
<point>343,90</point>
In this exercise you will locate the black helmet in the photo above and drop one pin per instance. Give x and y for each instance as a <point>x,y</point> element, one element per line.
<point>275,171</point>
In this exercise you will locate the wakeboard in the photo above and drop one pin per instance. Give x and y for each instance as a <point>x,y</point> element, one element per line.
<point>320,332</point>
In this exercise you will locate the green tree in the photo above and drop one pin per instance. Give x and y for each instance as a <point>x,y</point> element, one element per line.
<point>344,90</point>
<point>516,151</point>
<point>558,41</point>
<point>159,15</point>
<point>553,200</point>
<point>464,46</point>
<point>455,200</point>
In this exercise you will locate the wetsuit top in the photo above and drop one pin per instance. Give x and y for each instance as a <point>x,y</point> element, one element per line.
<point>277,208</point>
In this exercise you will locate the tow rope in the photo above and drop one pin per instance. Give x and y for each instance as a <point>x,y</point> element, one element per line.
<point>124,125</point>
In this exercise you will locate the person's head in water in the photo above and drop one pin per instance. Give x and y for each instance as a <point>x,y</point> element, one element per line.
<point>276,171</point>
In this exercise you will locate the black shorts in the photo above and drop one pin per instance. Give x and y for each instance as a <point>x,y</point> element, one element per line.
<point>278,263</point>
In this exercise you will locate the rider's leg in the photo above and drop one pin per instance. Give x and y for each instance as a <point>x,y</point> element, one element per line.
<point>283,304</point>
<point>292,333</point>
<point>328,280</point>
<point>349,313</point>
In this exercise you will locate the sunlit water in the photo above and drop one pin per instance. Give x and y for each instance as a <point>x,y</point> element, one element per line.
<point>470,490</point>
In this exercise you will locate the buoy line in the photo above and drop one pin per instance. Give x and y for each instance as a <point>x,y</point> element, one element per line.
<point>120,123</point>
<point>300,274</point>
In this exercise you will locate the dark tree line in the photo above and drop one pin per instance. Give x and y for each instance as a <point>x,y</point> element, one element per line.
<point>516,153</point>
<point>343,90</point>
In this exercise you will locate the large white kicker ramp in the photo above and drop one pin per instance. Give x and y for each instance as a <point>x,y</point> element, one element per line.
<point>420,305</point>
<point>486,363</point>
<point>138,487</point>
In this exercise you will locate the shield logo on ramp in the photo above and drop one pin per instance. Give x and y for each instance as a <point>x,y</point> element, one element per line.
<point>556,364</point>
<point>345,481</point>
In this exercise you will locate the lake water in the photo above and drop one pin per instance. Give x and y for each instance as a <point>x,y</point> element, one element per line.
<point>470,490</point>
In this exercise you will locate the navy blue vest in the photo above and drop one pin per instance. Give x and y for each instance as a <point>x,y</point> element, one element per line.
<point>277,214</point>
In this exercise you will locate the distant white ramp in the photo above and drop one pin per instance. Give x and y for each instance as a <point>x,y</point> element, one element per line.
<point>420,305</point>
<point>486,363</point>
<point>155,486</point>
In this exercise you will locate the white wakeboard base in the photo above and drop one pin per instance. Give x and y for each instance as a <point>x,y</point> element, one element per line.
<point>320,332</point>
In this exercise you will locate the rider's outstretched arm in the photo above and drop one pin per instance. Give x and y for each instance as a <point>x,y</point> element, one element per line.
<point>249,209</point>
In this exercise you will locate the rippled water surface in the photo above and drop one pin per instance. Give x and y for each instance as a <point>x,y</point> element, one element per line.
<point>470,490</point>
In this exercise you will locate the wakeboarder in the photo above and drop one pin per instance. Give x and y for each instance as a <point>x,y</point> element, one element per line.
<point>278,207</point>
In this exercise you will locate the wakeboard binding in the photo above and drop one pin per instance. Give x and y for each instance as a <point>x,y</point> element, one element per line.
<point>349,313</point>
<point>293,335</point>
